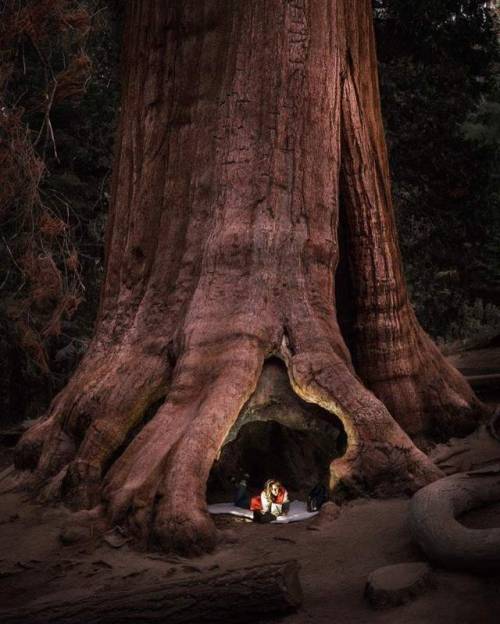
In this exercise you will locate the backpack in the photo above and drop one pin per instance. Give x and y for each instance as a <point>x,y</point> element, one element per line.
<point>317,497</point>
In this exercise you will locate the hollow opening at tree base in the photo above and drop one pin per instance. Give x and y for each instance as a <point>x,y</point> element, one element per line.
<point>277,435</point>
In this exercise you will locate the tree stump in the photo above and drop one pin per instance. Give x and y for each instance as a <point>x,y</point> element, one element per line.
<point>398,584</point>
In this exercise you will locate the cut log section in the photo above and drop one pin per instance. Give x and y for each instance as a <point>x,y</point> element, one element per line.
<point>242,595</point>
<point>398,584</point>
<point>433,521</point>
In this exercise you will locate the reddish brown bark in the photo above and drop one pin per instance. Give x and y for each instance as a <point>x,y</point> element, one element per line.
<point>392,354</point>
<point>240,121</point>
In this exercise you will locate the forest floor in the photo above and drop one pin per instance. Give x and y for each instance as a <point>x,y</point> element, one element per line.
<point>47,551</point>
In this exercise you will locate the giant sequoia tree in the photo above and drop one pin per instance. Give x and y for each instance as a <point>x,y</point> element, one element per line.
<point>251,218</point>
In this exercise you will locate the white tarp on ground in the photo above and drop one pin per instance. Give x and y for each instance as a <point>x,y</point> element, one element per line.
<point>298,511</point>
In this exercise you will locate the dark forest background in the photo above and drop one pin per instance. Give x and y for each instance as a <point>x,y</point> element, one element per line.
<point>59,99</point>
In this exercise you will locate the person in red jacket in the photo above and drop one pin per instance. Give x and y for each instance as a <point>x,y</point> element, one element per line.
<point>272,502</point>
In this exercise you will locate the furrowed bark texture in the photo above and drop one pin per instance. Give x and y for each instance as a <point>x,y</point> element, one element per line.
<point>240,122</point>
<point>240,595</point>
<point>391,352</point>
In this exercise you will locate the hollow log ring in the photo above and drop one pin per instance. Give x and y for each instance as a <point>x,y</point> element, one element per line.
<point>434,525</point>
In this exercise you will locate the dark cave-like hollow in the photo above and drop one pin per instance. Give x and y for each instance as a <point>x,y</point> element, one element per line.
<point>277,435</point>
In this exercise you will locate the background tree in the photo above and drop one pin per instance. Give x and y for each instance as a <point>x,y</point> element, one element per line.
<point>58,79</point>
<point>439,74</point>
<point>250,173</point>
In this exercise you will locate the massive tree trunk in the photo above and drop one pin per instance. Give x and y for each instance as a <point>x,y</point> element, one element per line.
<point>250,137</point>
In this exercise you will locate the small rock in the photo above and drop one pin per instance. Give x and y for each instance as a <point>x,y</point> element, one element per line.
<point>135,573</point>
<point>72,535</point>
<point>66,564</point>
<point>86,516</point>
<point>9,518</point>
<point>327,514</point>
<point>25,565</point>
<point>228,537</point>
<point>55,514</point>
<point>100,563</point>
<point>329,510</point>
<point>398,584</point>
<point>116,538</point>
<point>156,557</point>
<point>9,570</point>
<point>174,559</point>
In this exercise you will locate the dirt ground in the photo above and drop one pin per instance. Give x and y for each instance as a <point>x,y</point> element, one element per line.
<point>49,551</point>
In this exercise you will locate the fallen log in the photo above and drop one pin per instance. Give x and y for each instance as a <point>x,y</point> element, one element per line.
<point>242,595</point>
<point>434,526</point>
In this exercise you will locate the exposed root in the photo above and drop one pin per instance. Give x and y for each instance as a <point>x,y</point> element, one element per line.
<point>157,485</point>
<point>131,486</point>
<point>43,448</point>
<point>189,532</point>
<point>132,482</point>
<point>182,521</point>
<point>29,448</point>
<point>380,458</point>
<point>169,461</point>
<point>426,395</point>
<point>86,424</point>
